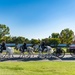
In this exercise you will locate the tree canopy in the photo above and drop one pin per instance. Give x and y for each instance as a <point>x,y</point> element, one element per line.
<point>4,30</point>
<point>55,35</point>
<point>66,36</point>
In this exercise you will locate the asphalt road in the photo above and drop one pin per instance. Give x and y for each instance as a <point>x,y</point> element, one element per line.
<point>35,58</point>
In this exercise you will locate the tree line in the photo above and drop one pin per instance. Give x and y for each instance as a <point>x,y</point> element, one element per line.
<point>66,36</point>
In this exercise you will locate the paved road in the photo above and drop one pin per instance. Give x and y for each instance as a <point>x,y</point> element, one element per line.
<point>35,58</point>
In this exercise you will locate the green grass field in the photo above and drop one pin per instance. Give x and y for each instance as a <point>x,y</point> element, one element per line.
<point>37,68</point>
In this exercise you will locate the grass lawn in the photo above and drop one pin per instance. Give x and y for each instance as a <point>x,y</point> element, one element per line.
<point>37,68</point>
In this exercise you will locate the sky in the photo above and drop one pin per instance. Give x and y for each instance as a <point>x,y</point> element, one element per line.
<point>37,18</point>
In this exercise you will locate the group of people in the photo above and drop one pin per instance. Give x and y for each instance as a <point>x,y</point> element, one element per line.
<point>24,46</point>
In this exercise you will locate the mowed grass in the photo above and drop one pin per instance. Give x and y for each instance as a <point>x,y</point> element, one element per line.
<point>37,68</point>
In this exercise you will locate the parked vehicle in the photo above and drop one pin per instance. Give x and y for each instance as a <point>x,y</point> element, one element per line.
<point>72,50</point>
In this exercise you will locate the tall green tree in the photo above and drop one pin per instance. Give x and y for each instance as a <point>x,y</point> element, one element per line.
<point>19,39</point>
<point>35,41</point>
<point>66,36</point>
<point>47,42</point>
<point>27,40</point>
<point>14,40</point>
<point>55,35</point>
<point>4,30</point>
<point>52,41</point>
<point>8,39</point>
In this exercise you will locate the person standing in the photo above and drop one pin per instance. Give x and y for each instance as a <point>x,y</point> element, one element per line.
<point>24,47</point>
<point>3,46</point>
<point>43,46</point>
